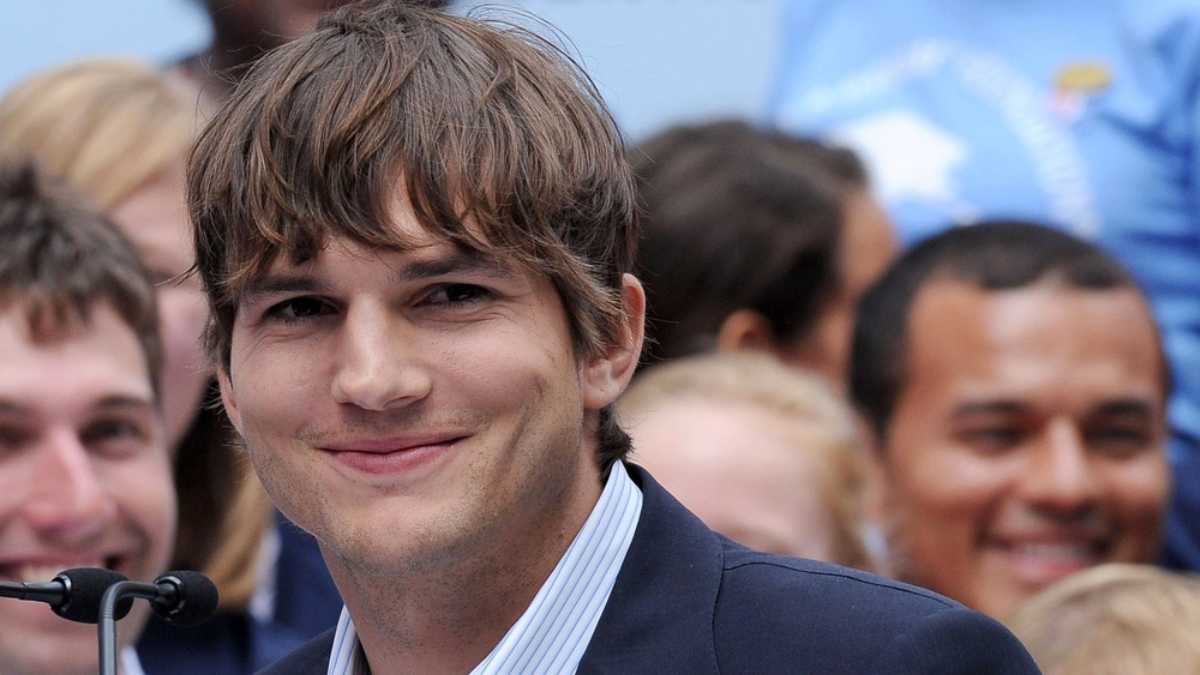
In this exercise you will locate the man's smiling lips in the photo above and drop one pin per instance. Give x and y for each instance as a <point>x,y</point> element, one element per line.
<point>1041,560</point>
<point>392,455</point>
<point>46,567</point>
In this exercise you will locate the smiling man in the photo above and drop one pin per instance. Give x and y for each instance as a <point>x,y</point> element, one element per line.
<point>414,230</point>
<point>1016,385</point>
<point>85,477</point>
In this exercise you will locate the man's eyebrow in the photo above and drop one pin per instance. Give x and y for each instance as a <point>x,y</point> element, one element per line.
<point>1126,407</point>
<point>459,262</point>
<point>125,401</point>
<point>992,407</point>
<point>10,406</point>
<point>270,284</point>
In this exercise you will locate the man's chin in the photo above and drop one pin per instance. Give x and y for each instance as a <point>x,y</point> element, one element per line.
<point>399,550</point>
<point>62,648</point>
<point>390,562</point>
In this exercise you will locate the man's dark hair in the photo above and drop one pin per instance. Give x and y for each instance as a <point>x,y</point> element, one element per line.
<point>993,256</point>
<point>736,217</point>
<point>496,138</point>
<point>59,259</point>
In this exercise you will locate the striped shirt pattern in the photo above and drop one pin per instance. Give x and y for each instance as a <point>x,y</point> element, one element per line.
<point>554,631</point>
<point>129,663</point>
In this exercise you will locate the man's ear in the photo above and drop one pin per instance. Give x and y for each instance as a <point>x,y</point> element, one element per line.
<point>745,330</point>
<point>604,377</point>
<point>228,400</point>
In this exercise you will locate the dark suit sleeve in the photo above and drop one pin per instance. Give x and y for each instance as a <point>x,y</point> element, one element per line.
<point>955,642</point>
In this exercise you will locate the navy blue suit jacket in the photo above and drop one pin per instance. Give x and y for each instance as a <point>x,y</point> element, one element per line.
<point>690,601</point>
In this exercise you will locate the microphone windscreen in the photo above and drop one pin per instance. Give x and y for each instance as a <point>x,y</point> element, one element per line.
<point>196,600</point>
<point>86,586</point>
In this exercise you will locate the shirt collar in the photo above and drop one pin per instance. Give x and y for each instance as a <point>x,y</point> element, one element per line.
<point>553,632</point>
<point>130,664</point>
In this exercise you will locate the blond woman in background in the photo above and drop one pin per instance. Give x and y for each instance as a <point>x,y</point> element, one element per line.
<point>1115,619</point>
<point>767,456</point>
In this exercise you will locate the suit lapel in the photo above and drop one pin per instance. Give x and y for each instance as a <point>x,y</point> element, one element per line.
<point>660,612</point>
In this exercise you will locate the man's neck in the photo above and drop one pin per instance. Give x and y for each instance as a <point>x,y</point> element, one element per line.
<point>448,620</point>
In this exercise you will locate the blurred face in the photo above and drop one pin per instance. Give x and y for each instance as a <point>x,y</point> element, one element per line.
<point>747,473</point>
<point>1028,441</point>
<point>414,409</point>
<point>155,219</point>
<point>270,22</point>
<point>867,246</point>
<point>84,479</point>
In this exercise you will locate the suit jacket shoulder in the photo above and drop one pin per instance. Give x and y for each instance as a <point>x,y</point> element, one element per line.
<point>775,612</point>
<point>311,658</point>
<point>688,600</point>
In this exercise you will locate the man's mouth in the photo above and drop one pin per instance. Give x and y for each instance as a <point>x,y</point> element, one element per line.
<point>42,570</point>
<point>395,455</point>
<point>393,444</point>
<point>1041,561</point>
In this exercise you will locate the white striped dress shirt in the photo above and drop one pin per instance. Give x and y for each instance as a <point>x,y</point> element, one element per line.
<point>129,663</point>
<point>554,631</point>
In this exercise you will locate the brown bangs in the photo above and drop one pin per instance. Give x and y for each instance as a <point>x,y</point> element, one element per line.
<point>61,259</point>
<point>493,137</point>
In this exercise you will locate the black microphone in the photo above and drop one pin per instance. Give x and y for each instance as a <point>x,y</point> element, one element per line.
<point>73,594</point>
<point>185,598</point>
<point>180,597</point>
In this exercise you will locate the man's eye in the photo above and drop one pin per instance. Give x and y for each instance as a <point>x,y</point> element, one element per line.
<point>114,431</point>
<point>12,438</point>
<point>297,309</point>
<point>456,294</point>
<point>992,439</point>
<point>1119,440</point>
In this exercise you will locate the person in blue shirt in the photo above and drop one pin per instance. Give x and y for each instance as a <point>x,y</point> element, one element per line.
<point>1080,114</point>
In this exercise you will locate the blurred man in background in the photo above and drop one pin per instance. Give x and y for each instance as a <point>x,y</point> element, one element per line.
<point>1016,387</point>
<point>118,132</point>
<point>980,110</point>
<point>755,240</point>
<point>85,472</point>
<point>244,30</point>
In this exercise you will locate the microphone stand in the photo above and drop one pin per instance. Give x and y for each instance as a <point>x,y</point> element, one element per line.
<point>108,622</point>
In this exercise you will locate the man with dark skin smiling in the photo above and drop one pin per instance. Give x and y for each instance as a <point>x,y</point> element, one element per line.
<point>1016,386</point>
<point>414,230</point>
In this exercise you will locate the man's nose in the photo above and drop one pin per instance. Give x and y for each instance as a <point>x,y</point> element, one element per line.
<point>68,501</point>
<point>379,361</point>
<point>1060,475</point>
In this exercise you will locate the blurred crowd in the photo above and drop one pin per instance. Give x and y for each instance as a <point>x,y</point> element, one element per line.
<point>935,315</point>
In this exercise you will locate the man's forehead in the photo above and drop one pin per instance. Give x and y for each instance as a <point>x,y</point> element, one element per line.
<point>961,315</point>
<point>988,340</point>
<point>101,358</point>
